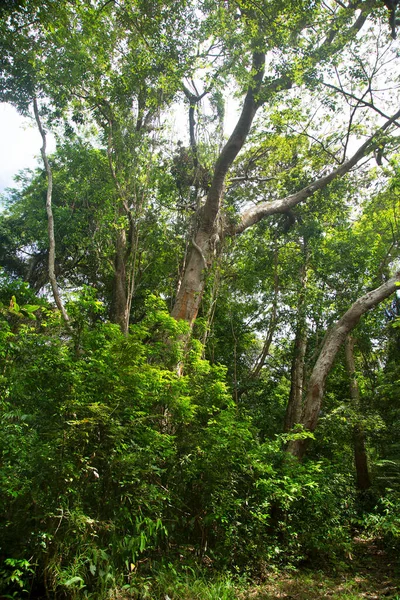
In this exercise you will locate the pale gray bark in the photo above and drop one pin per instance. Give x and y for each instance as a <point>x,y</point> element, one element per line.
<point>50,217</point>
<point>204,244</point>
<point>332,342</point>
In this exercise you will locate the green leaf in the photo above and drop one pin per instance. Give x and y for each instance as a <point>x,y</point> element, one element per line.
<point>73,581</point>
<point>30,308</point>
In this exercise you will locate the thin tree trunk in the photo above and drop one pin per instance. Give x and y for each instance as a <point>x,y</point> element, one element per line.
<point>50,217</point>
<point>203,250</point>
<point>260,362</point>
<point>332,342</point>
<point>294,406</point>
<point>360,454</point>
<point>125,253</point>
<point>119,314</point>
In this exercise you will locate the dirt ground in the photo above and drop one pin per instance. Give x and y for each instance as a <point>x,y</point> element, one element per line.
<point>372,573</point>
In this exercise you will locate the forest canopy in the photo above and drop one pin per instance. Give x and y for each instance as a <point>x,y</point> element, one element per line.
<point>199,291</point>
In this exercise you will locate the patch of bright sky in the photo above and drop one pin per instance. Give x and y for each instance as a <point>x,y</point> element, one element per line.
<point>21,141</point>
<point>20,144</point>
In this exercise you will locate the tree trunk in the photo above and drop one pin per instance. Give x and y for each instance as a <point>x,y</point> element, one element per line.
<point>125,251</point>
<point>124,272</point>
<point>360,454</point>
<point>332,342</point>
<point>190,292</point>
<point>119,312</point>
<point>50,218</point>
<point>205,242</point>
<point>294,406</point>
<point>202,253</point>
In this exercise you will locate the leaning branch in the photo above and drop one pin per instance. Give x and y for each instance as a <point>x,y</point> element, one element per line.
<point>264,209</point>
<point>332,342</point>
<point>50,218</point>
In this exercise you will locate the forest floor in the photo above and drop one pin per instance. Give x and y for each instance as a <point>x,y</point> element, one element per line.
<point>371,573</point>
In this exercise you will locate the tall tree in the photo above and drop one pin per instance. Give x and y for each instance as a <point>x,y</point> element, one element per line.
<point>262,90</point>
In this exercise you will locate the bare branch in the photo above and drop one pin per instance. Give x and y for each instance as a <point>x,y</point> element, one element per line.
<point>359,100</point>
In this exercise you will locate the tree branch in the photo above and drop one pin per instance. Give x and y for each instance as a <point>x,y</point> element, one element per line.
<point>327,48</point>
<point>264,209</point>
<point>358,100</point>
<point>234,144</point>
<point>332,342</point>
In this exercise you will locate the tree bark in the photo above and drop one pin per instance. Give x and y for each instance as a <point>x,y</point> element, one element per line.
<point>125,252</point>
<point>332,342</point>
<point>360,455</point>
<point>50,217</point>
<point>119,312</point>
<point>266,209</point>
<point>294,406</point>
<point>260,362</point>
<point>202,253</point>
<point>204,243</point>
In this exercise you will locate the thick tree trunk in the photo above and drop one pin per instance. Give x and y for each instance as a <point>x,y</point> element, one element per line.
<point>190,292</point>
<point>332,342</point>
<point>50,218</point>
<point>204,243</point>
<point>360,454</point>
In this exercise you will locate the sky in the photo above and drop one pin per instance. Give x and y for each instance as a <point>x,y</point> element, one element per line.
<point>21,141</point>
<point>20,147</point>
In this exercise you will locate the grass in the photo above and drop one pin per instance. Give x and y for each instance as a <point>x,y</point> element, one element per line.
<point>369,574</point>
<point>317,585</point>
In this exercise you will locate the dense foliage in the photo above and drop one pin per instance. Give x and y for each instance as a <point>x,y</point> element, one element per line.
<point>210,384</point>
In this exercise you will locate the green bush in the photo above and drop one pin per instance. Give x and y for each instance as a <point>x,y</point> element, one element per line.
<point>384,520</point>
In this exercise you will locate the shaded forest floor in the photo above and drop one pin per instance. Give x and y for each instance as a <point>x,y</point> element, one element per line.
<point>369,574</point>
